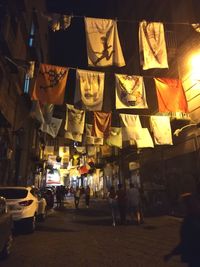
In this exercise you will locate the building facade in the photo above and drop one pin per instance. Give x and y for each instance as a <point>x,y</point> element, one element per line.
<point>23,39</point>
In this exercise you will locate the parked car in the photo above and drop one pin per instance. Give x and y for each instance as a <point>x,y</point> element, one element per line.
<point>25,205</point>
<point>5,229</point>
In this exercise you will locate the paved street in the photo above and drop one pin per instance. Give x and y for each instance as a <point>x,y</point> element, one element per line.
<point>86,238</point>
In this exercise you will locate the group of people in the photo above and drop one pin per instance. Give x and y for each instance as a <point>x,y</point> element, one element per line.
<point>61,191</point>
<point>125,202</point>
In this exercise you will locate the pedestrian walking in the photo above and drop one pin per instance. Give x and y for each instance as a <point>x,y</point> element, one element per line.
<point>112,199</point>
<point>87,196</point>
<point>77,195</point>
<point>189,246</point>
<point>133,202</point>
<point>121,201</point>
<point>58,196</point>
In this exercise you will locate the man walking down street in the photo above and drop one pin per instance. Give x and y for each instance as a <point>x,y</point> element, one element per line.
<point>77,195</point>
<point>121,200</point>
<point>87,196</point>
<point>133,201</point>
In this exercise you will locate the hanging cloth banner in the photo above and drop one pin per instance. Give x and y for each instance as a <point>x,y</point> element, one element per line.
<point>115,137</point>
<point>143,138</point>
<point>129,125</point>
<point>75,119</point>
<point>50,84</point>
<point>36,112</point>
<point>171,95</point>
<point>196,27</point>
<point>81,149</point>
<point>89,90</point>
<point>102,124</point>
<point>91,151</point>
<point>47,110</point>
<point>59,22</point>
<point>161,128</point>
<point>103,45</point>
<point>106,151</point>
<point>130,92</point>
<point>52,128</point>
<point>92,140</point>
<point>152,46</point>
<point>73,136</point>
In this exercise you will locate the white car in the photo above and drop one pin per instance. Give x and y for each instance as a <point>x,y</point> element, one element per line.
<point>25,205</point>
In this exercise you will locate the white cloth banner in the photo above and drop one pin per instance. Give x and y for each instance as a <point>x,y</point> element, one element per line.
<point>89,90</point>
<point>48,112</point>
<point>153,53</point>
<point>161,128</point>
<point>103,45</point>
<point>130,124</point>
<point>52,128</point>
<point>130,91</point>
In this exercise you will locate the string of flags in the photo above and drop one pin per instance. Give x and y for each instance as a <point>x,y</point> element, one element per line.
<point>130,90</point>
<point>101,131</point>
<point>104,49</point>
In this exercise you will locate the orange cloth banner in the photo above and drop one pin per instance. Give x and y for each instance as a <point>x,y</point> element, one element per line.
<point>171,95</point>
<point>50,84</point>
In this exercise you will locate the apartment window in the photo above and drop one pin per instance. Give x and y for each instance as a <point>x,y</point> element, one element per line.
<point>30,44</point>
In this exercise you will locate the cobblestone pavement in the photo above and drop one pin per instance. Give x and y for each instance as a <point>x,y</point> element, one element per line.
<point>86,238</point>
<point>128,245</point>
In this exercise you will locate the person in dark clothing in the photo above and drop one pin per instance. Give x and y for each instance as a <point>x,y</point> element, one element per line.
<point>189,246</point>
<point>112,196</point>
<point>58,196</point>
<point>77,195</point>
<point>121,201</point>
<point>87,196</point>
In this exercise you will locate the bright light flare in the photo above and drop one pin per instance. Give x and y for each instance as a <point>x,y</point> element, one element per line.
<point>195,67</point>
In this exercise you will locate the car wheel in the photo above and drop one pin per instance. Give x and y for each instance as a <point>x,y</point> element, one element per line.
<point>7,248</point>
<point>43,216</point>
<point>31,224</point>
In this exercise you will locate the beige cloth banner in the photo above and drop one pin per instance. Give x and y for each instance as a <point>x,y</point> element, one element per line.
<point>153,52</point>
<point>143,138</point>
<point>103,45</point>
<point>75,120</point>
<point>115,137</point>
<point>89,90</point>
<point>73,136</point>
<point>130,91</point>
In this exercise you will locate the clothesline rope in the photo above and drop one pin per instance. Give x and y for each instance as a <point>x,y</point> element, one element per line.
<point>127,20</point>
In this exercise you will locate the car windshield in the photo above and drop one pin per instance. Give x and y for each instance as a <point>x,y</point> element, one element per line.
<point>13,193</point>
